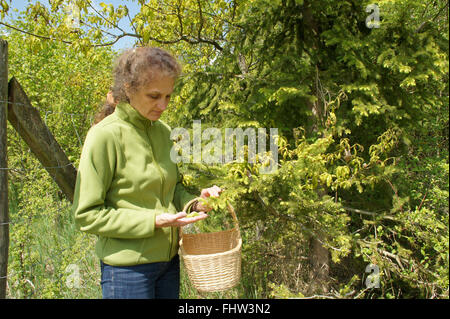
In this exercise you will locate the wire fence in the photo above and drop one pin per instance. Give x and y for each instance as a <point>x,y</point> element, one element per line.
<point>46,116</point>
<point>49,257</point>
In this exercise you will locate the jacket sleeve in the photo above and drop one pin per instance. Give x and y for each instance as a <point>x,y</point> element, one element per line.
<point>95,174</point>
<point>181,196</point>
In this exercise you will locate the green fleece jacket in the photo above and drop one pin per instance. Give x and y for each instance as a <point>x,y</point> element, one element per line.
<point>125,179</point>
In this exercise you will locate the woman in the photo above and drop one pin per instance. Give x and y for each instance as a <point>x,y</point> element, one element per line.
<point>128,191</point>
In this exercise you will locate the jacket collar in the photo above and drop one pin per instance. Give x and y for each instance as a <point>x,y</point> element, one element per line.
<point>129,114</point>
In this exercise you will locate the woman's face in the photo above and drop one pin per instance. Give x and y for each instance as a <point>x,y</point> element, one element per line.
<point>151,100</point>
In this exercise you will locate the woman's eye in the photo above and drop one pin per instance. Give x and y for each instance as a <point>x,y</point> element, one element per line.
<point>155,97</point>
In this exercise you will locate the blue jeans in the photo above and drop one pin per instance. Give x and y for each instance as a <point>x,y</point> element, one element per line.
<point>159,280</point>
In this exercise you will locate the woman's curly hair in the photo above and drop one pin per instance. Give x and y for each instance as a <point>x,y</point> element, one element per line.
<point>136,68</point>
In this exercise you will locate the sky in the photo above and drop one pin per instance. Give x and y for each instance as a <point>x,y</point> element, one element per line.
<point>133,8</point>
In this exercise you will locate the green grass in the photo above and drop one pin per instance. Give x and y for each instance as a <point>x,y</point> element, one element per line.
<point>51,253</point>
<point>47,255</point>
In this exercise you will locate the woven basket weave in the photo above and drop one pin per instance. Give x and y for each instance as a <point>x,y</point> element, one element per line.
<point>212,260</point>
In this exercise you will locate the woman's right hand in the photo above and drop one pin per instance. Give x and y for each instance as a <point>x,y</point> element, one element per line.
<point>177,220</point>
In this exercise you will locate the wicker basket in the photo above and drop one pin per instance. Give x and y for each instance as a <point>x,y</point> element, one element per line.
<point>212,260</point>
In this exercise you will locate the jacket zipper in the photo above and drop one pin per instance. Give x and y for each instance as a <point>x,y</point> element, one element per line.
<point>162,186</point>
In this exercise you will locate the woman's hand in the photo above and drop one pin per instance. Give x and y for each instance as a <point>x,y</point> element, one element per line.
<point>180,219</point>
<point>207,192</point>
<point>177,220</point>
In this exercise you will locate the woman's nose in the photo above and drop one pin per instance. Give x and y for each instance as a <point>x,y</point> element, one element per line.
<point>162,105</point>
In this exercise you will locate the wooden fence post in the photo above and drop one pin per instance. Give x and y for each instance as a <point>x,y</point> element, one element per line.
<point>27,121</point>
<point>4,214</point>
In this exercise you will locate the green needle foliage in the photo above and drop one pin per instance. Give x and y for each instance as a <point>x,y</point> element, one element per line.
<point>362,118</point>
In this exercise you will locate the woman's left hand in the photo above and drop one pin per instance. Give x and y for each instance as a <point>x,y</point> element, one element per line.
<point>207,192</point>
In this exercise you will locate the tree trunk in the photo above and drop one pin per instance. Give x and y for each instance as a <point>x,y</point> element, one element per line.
<point>318,255</point>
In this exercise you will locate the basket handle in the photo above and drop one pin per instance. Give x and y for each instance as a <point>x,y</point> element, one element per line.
<point>230,209</point>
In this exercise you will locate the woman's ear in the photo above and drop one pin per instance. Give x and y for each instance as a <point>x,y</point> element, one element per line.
<point>110,98</point>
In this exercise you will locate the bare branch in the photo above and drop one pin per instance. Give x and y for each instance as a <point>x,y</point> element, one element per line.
<point>364,212</point>
<point>201,19</point>
<point>132,25</point>
<point>432,20</point>
<point>33,34</point>
<point>104,18</point>
<point>118,37</point>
